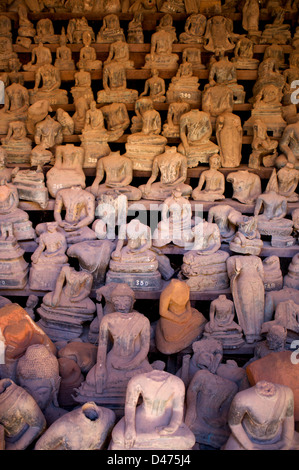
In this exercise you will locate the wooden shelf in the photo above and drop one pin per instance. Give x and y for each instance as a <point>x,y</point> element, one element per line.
<point>138,48</point>
<point>142,74</point>
<point>29,246</point>
<point>154,205</point>
<point>72,139</point>
<point>158,106</point>
<point>139,294</point>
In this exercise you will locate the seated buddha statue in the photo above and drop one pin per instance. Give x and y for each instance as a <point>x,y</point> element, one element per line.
<point>130,334</point>
<point>50,78</point>
<point>179,324</point>
<point>173,169</point>
<point>40,55</point>
<point>119,52</point>
<point>142,147</point>
<point>213,180</point>
<point>16,144</point>
<point>134,261</point>
<point>157,422</point>
<point>88,56</point>
<point>222,325</point>
<point>195,133</point>
<point>161,55</point>
<point>10,214</point>
<point>65,310</point>
<point>115,85</point>
<point>119,174</point>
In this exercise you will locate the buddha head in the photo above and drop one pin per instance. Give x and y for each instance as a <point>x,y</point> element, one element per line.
<point>123,298</point>
<point>207,355</point>
<point>215,162</point>
<point>38,374</point>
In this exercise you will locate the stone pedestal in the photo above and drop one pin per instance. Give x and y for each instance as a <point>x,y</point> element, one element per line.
<point>205,273</point>
<point>31,187</point>
<point>271,117</point>
<point>66,321</point>
<point>141,153</point>
<point>142,276</point>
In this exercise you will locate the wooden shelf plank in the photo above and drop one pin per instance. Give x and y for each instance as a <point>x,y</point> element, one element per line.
<point>140,48</point>
<point>139,294</point>
<point>142,74</point>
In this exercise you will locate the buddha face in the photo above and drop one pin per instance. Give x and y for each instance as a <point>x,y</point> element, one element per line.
<point>52,226</point>
<point>214,162</point>
<point>123,303</point>
<point>42,390</point>
<point>204,359</point>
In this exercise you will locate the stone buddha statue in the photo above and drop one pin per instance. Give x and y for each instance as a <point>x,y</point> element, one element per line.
<point>246,186</point>
<point>173,169</point>
<point>154,87</point>
<point>222,325</point>
<point>224,72</point>
<point>195,133</point>
<point>179,324</point>
<point>40,55</point>
<point>119,174</point>
<point>90,424</point>
<point>107,380</point>
<point>246,275</point>
<point>110,31</point>
<point>45,32</point>
<point>88,57</point>
<point>6,53</point>
<point>82,88</point>
<point>262,418</point>
<point>157,423</point>
<point>134,261</point>
<point>76,28</point>
<point>229,135</point>
<point>184,85</point>
<point>227,218</point>
<point>194,29</point>
<point>161,55</point>
<point>204,266</point>
<point>171,128</point>
<point>213,180</point>
<point>135,31</point>
<point>38,374</point>
<point>80,209</point>
<point>243,55</point>
<point>16,144</point>
<point>247,239</point>
<point>142,147</point>
<point>115,85</point>
<point>289,144</point>
<point>50,252</point>
<point>272,221</point>
<point>49,75</point>
<point>95,136</point>
<point>18,332</point>
<point>208,400</point>
<point>119,52</point>
<point>20,416</point>
<point>65,310</point>
<point>16,103</point>
<point>175,226</point>
<point>10,214</point>
<point>67,170</point>
<point>64,59</point>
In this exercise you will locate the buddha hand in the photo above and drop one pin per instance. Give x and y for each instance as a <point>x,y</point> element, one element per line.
<point>130,437</point>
